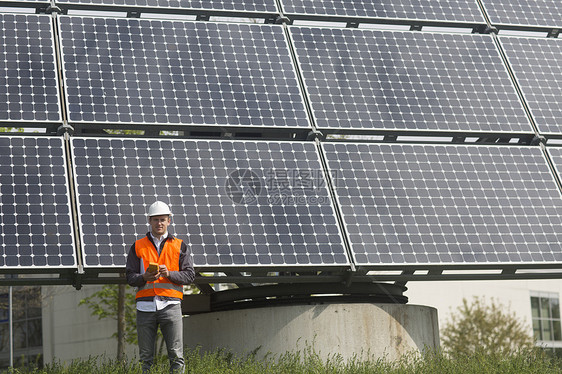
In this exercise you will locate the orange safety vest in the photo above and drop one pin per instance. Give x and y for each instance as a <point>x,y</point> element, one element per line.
<point>170,256</point>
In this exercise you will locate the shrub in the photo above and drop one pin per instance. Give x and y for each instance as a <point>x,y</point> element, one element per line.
<point>489,328</point>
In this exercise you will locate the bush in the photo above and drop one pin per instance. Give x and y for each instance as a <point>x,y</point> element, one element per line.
<point>485,328</point>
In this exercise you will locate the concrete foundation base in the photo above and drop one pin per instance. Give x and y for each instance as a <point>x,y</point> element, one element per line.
<point>350,330</point>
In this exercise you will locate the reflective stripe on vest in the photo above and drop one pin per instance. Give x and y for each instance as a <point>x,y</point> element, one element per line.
<point>167,286</point>
<point>169,256</point>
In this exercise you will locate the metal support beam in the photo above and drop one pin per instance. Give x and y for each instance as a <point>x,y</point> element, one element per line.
<point>293,294</point>
<point>205,288</point>
<point>553,33</point>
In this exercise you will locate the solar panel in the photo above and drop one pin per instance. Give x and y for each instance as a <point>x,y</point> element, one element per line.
<point>537,68</point>
<point>535,13</point>
<point>365,80</point>
<point>235,203</point>
<point>35,222</point>
<point>447,204</point>
<point>28,80</point>
<point>166,72</point>
<point>444,10</point>
<point>268,6</point>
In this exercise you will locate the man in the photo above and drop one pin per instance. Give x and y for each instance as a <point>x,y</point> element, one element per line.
<point>159,292</point>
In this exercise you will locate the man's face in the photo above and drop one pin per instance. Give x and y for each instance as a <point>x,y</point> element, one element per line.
<point>159,224</point>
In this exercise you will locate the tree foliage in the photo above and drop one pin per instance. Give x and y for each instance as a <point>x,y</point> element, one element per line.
<point>137,132</point>
<point>479,326</point>
<point>124,132</point>
<point>12,129</point>
<point>104,304</point>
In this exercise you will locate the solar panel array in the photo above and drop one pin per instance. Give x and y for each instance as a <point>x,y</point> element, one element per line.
<point>235,203</point>
<point>35,223</point>
<point>165,72</point>
<point>535,13</point>
<point>444,10</point>
<point>268,204</point>
<point>365,79</point>
<point>537,67</point>
<point>28,80</point>
<point>421,204</point>
<point>265,6</point>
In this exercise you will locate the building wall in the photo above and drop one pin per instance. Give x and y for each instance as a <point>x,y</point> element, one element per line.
<point>447,296</point>
<point>70,331</point>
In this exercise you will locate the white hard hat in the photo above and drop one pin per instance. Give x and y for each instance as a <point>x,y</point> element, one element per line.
<point>159,208</point>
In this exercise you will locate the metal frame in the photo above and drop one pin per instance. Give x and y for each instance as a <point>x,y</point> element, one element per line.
<point>346,274</point>
<point>51,129</point>
<point>303,293</point>
<point>251,278</point>
<point>41,6</point>
<point>444,137</point>
<point>196,132</point>
<point>40,277</point>
<point>351,21</point>
<point>136,11</point>
<point>550,32</point>
<point>414,24</point>
<point>397,273</point>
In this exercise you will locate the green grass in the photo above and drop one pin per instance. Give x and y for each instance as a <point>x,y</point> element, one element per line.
<point>309,362</point>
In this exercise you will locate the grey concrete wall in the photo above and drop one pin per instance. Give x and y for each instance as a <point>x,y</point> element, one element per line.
<point>348,329</point>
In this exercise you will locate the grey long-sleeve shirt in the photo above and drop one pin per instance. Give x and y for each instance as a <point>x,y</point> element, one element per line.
<point>185,275</point>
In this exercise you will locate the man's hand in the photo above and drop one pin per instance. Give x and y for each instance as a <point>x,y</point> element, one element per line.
<point>150,276</point>
<point>164,271</point>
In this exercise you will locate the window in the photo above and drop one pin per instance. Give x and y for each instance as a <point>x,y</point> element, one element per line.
<point>547,329</point>
<point>27,327</point>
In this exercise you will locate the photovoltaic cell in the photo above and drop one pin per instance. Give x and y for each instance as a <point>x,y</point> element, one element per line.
<point>166,72</point>
<point>534,13</point>
<point>446,204</point>
<point>444,10</point>
<point>235,203</point>
<point>267,6</point>
<point>537,67</point>
<point>366,79</point>
<point>28,80</point>
<point>556,157</point>
<point>35,222</point>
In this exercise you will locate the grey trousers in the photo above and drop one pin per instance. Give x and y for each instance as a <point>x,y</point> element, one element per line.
<point>170,321</point>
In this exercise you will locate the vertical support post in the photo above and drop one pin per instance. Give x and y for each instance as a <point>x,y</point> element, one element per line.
<point>10,317</point>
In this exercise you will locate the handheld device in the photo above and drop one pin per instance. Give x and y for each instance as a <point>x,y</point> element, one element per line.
<point>152,267</point>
